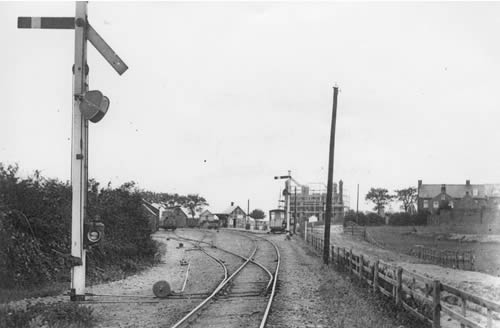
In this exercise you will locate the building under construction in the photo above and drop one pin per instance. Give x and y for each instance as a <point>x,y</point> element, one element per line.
<point>309,200</point>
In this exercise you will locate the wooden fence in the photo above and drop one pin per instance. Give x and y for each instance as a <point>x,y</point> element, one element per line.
<point>423,297</point>
<point>455,259</point>
<point>353,229</point>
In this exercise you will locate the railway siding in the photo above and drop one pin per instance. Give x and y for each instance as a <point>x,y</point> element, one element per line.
<point>244,302</point>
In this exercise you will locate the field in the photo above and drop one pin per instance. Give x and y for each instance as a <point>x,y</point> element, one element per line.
<point>402,239</point>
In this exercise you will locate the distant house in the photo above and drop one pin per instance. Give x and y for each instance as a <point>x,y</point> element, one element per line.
<point>232,217</point>
<point>178,213</point>
<point>461,208</point>
<point>433,197</point>
<point>206,216</point>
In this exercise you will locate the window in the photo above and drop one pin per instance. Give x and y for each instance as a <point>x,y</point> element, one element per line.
<point>451,204</point>
<point>426,203</point>
<point>443,197</point>
<point>475,192</point>
<point>435,204</point>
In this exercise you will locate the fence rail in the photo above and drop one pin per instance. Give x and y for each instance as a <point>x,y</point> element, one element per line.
<point>419,295</point>
<point>455,259</point>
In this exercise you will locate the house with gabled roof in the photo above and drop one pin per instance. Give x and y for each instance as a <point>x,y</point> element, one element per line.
<point>467,208</point>
<point>207,218</point>
<point>432,197</point>
<point>232,217</point>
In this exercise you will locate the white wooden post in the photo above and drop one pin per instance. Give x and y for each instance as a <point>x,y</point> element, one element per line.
<point>79,154</point>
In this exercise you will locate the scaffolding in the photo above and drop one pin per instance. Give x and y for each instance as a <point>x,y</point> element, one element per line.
<point>310,200</point>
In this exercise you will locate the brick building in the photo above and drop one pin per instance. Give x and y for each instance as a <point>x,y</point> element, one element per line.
<point>466,208</point>
<point>432,197</point>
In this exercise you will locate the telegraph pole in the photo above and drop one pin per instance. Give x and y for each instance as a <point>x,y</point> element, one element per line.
<point>326,244</point>
<point>295,210</point>
<point>248,213</point>
<point>287,184</point>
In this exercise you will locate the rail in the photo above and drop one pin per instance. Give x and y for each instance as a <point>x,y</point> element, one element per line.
<point>272,279</point>
<point>419,295</point>
<point>215,292</point>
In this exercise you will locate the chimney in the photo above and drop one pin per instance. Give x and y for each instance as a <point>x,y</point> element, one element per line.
<point>232,203</point>
<point>419,184</point>
<point>467,183</point>
<point>341,192</point>
<point>443,188</point>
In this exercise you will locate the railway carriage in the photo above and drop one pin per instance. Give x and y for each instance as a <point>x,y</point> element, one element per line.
<point>169,224</point>
<point>277,221</point>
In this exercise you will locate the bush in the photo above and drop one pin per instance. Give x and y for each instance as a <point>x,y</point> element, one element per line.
<point>35,229</point>
<point>368,219</point>
<point>406,219</point>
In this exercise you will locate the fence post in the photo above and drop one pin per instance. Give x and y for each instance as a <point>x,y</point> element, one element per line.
<point>375,276</point>
<point>360,266</point>
<point>464,305</point>
<point>343,257</point>
<point>399,285</point>
<point>436,304</point>
<point>350,261</point>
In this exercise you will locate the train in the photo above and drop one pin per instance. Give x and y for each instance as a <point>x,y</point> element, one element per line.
<point>277,221</point>
<point>169,224</point>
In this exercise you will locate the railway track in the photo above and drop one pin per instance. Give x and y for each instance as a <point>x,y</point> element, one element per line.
<point>245,297</point>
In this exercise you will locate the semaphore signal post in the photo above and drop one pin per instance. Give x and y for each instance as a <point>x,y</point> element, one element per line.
<point>87,105</point>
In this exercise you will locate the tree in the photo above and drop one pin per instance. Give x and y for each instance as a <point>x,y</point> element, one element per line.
<point>380,197</point>
<point>407,196</point>
<point>194,203</point>
<point>257,214</point>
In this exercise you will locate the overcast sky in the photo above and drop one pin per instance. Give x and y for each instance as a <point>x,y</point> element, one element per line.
<point>220,97</point>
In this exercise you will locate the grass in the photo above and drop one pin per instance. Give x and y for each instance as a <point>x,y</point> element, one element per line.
<point>356,306</point>
<point>397,239</point>
<point>57,315</point>
<point>9,295</point>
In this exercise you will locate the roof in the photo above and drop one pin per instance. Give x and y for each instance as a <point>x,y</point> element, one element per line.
<point>205,212</point>
<point>230,210</point>
<point>459,190</point>
<point>187,211</point>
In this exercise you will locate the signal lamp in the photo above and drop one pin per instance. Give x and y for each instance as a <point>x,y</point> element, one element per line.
<point>94,105</point>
